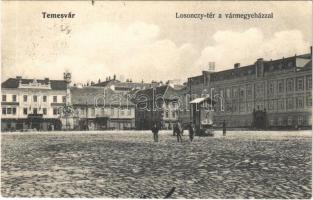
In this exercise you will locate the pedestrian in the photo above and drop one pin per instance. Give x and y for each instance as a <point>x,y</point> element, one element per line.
<point>191,131</point>
<point>155,131</point>
<point>178,130</point>
<point>224,128</point>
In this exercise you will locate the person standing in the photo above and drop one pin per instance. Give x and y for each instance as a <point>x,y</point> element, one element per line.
<point>224,128</point>
<point>155,131</point>
<point>178,132</point>
<point>191,131</point>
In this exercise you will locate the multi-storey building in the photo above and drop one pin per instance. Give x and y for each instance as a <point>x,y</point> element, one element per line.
<point>32,104</point>
<point>97,108</point>
<point>157,104</point>
<point>275,93</point>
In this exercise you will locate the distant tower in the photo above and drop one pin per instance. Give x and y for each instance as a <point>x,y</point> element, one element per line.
<point>67,78</point>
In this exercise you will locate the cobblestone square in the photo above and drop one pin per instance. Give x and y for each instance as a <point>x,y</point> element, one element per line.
<point>128,164</point>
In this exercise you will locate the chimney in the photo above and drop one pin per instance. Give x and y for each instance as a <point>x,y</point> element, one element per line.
<point>47,79</point>
<point>236,65</point>
<point>18,77</point>
<point>311,50</point>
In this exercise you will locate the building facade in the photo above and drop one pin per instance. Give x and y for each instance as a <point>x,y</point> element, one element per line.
<point>98,108</point>
<point>32,104</point>
<point>275,93</point>
<point>157,104</point>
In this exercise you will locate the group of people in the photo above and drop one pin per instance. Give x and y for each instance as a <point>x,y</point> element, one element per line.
<point>177,130</point>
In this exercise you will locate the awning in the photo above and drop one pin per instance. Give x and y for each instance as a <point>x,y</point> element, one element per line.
<point>201,99</point>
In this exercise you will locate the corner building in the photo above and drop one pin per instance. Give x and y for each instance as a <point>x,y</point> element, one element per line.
<point>266,94</point>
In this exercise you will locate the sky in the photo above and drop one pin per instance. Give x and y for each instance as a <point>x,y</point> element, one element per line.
<point>144,40</point>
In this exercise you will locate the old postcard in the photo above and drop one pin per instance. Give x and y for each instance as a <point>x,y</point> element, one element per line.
<point>156,99</point>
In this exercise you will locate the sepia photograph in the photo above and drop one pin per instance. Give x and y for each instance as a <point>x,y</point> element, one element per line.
<point>156,99</point>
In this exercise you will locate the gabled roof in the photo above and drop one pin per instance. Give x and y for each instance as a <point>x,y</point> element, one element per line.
<point>150,93</point>
<point>98,96</point>
<point>14,83</point>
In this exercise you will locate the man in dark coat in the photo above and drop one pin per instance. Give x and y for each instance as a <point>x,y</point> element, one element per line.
<point>155,130</point>
<point>191,131</point>
<point>178,131</point>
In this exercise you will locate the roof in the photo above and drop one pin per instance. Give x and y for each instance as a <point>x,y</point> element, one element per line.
<point>98,96</point>
<point>14,83</point>
<point>150,92</point>
<point>269,67</point>
<point>126,85</point>
<point>105,83</point>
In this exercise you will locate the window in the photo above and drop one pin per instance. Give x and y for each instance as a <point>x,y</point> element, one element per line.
<point>44,111</point>
<point>129,112</point>
<point>281,104</point>
<point>25,98</point>
<point>9,111</point>
<point>271,88</point>
<point>14,111</point>
<point>309,82</point>
<point>55,99</point>
<point>35,98</point>
<point>300,102</point>
<point>271,105</point>
<point>272,122</point>
<point>235,106</point>
<point>289,121</point>
<point>64,99</point>
<point>280,121</point>
<point>249,107</point>
<point>235,92</point>
<point>166,114</point>
<point>4,97</point>
<point>280,86</point>
<point>173,114</point>
<point>25,111</point>
<point>14,98</point>
<point>228,107</point>
<point>122,112</point>
<point>309,100</point>
<point>112,111</point>
<point>35,110</point>
<point>300,120</point>
<point>289,85</point>
<point>242,107</point>
<point>259,90</point>
<point>228,93</point>
<point>249,91</point>
<point>300,84</point>
<point>55,111</point>
<point>4,111</point>
<point>242,93</point>
<point>44,98</point>
<point>289,103</point>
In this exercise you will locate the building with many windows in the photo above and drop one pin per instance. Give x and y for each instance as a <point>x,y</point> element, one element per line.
<point>98,108</point>
<point>266,94</point>
<point>32,104</point>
